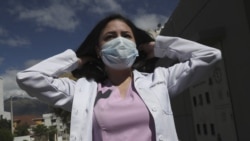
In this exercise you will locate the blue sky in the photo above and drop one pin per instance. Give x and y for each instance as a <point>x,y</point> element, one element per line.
<point>32,30</point>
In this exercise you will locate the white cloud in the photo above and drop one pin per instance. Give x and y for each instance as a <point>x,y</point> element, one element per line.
<point>78,3</point>
<point>64,15</point>
<point>102,7</point>
<point>149,21</point>
<point>30,63</point>
<point>56,15</point>
<point>3,32</point>
<point>6,38</point>
<point>10,87</point>
<point>14,41</point>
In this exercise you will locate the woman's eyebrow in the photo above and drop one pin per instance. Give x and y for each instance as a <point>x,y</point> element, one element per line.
<point>126,31</point>
<point>110,32</point>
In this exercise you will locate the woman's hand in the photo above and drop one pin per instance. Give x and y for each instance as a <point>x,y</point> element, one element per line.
<point>148,49</point>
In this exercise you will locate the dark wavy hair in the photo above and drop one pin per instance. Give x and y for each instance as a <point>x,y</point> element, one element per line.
<point>95,69</point>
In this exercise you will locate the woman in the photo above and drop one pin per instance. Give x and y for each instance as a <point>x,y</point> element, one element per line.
<point>124,104</point>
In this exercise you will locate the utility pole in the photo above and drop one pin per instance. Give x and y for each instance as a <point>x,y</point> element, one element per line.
<point>11,112</point>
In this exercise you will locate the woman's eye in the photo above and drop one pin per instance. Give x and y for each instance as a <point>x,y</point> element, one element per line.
<point>109,37</point>
<point>127,36</point>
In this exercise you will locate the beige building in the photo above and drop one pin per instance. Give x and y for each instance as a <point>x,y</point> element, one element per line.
<point>216,109</point>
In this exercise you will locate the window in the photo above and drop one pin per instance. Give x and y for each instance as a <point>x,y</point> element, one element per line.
<point>200,100</point>
<point>207,98</point>
<point>205,129</point>
<point>212,129</point>
<point>198,129</point>
<point>194,101</point>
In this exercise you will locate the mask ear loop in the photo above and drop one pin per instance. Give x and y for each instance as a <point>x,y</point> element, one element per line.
<point>98,52</point>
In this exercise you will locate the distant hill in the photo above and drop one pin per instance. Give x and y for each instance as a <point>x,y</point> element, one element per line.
<point>26,106</point>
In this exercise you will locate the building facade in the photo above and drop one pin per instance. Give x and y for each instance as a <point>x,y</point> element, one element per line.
<point>50,119</point>
<point>3,114</point>
<point>216,109</point>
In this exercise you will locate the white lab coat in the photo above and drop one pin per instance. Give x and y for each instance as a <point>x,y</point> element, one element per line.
<point>155,88</point>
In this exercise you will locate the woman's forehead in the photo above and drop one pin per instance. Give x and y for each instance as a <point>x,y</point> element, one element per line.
<point>116,25</point>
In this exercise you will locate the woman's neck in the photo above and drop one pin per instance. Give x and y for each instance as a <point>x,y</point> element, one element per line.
<point>118,77</point>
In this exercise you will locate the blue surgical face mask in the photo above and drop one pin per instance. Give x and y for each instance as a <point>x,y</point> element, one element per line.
<point>119,53</point>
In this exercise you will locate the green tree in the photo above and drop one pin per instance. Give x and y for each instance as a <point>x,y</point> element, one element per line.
<point>40,130</point>
<point>22,130</point>
<point>52,132</point>
<point>5,130</point>
<point>5,124</point>
<point>64,115</point>
<point>5,135</point>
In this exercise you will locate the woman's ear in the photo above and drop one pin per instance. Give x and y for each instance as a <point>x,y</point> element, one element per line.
<point>98,51</point>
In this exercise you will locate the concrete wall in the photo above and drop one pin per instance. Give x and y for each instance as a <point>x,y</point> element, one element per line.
<point>23,138</point>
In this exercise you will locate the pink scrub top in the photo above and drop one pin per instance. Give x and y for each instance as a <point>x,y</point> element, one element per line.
<point>121,119</point>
